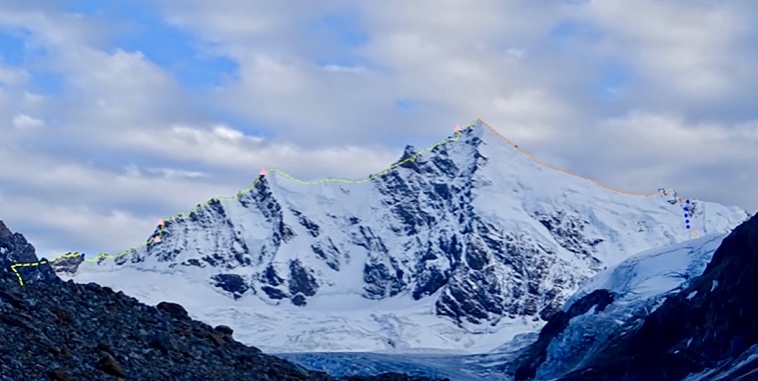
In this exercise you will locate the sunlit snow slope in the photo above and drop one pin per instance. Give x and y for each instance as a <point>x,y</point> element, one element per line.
<point>460,248</point>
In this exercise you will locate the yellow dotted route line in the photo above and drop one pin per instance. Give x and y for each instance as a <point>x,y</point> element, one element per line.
<point>13,267</point>
<point>457,135</point>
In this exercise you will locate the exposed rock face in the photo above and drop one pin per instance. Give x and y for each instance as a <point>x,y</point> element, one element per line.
<point>15,249</point>
<point>709,328</point>
<point>65,331</point>
<point>232,283</point>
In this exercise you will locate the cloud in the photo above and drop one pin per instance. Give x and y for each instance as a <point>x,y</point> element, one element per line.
<point>637,95</point>
<point>10,77</point>
<point>166,173</point>
<point>641,151</point>
<point>344,69</point>
<point>422,52</point>
<point>226,148</point>
<point>84,229</point>
<point>686,55</point>
<point>23,121</point>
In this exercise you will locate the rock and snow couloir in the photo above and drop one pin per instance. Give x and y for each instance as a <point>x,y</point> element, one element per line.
<point>459,248</point>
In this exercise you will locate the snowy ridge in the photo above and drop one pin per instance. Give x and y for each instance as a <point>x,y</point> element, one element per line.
<point>460,248</point>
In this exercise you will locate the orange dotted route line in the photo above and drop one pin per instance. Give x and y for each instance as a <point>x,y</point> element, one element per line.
<point>161,223</point>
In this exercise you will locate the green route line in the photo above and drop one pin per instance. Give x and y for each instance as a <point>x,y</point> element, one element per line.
<point>161,223</point>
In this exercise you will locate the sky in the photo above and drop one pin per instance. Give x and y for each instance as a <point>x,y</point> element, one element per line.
<point>114,114</point>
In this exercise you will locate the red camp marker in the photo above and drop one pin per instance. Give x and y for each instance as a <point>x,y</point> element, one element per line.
<point>263,172</point>
<point>157,239</point>
<point>457,128</point>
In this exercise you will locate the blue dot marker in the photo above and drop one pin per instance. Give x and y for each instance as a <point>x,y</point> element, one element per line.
<point>687,214</point>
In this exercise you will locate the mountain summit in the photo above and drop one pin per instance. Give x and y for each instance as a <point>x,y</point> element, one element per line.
<point>472,234</point>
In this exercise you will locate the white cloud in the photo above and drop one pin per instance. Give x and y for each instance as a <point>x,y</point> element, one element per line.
<point>344,69</point>
<point>25,122</point>
<point>227,133</point>
<point>641,151</point>
<point>10,77</point>
<point>125,142</point>
<point>33,99</point>
<point>55,229</point>
<point>134,171</point>
<point>456,59</point>
<point>693,50</point>
<point>224,147</point>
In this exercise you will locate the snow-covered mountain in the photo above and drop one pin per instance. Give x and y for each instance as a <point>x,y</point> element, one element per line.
<point>471,236</point>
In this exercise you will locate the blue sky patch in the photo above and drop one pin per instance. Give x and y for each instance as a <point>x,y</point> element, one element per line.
<point>570,30</point>
<point>613,76</point>
<point>84,7</point>
<point>406,104</point>
<point>12,47</point>
<point>47,83</point>
<point>343,28</point>
<point>188,59</point>
<point>337,35</point>
<point>243,124</point>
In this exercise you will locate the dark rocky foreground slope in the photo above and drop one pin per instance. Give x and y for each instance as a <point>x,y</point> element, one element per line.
<point>707,331</point>
<point>62,331</point>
